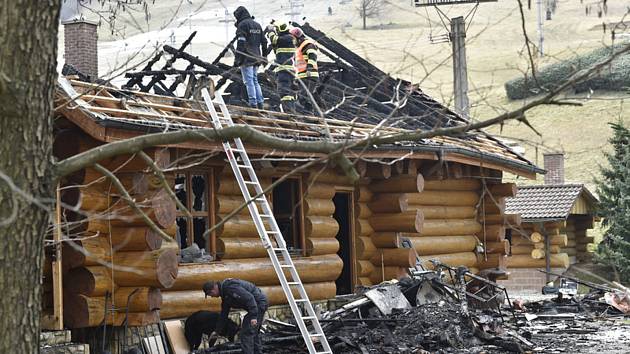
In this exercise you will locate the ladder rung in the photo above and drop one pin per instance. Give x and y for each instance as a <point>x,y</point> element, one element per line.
<point>279,249</point>
<point>250,182</point>
<point>315,335</point>
<point>266,216</point>
<point>309,318</point>
<point>293,283</point>
<point>286,266</point>
<point>244,166</point>
<point>301,300</point>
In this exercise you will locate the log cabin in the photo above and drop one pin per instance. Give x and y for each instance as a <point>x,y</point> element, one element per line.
<point>562,212</point>
<point>445,194</point>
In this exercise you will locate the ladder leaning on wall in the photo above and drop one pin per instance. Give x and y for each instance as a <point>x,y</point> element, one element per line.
<point>269,231</point>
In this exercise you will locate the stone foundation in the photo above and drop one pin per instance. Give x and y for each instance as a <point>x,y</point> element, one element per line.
<point>527,280</point>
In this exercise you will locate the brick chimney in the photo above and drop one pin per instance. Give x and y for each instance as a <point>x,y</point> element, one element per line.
<point>81,37</point>
<point>554,164</point>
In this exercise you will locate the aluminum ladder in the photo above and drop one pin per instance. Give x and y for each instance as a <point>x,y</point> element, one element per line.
<point>269,231</point>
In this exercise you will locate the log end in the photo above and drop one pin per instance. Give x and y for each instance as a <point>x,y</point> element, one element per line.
<point>166,268</point>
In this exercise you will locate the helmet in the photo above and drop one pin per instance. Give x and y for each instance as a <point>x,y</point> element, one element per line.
<point>296,32</point>
<point>282,27</point>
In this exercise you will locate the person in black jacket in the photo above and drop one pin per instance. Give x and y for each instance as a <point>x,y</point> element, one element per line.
<point>241,294</point>
<point>251,51</point>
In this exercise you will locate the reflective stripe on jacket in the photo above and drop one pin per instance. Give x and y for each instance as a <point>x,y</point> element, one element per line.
<point>306,59</point>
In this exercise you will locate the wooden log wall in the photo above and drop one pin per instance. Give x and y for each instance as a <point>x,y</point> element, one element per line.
<point>114,259</point>
<point>364,245</point>
<point>527,248</point>
<point>243,256</point>
<point>579,245</point>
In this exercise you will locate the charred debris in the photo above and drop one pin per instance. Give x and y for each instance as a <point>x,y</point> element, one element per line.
<point>450,310</point>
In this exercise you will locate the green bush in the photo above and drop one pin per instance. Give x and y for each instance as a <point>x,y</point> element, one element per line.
<point>613,77</point>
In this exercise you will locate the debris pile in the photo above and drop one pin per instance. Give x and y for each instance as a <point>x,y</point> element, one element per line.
<point>423,314</point>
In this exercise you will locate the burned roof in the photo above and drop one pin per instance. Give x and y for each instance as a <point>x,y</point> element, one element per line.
<point>358,99</point>
<point>546,202</point>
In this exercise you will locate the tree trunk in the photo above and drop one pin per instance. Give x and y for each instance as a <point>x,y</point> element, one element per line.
<point>27,79</point>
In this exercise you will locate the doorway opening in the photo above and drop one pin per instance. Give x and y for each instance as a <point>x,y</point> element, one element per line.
<point>344,216</point>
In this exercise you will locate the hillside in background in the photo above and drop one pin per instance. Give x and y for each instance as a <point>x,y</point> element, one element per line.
<point>399,43</point>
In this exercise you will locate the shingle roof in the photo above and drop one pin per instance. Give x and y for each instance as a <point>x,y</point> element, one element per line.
<point>546,202</point>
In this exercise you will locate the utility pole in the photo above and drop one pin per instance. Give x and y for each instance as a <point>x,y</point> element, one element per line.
<point>541,36</point>
<point>460,69</point>
<point>295,9</point>
<point>227,19</point>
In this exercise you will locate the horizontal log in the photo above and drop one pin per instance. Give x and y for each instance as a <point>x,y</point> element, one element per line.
<point>389,203</point>
<point>464,184</point>
<point>81,311</point>
<point>137,299</point>
<point>560,240</point>
<point>560,260</point>
<point>381,274</point>
<point>363,227</point>
<point>503,189</point>
<point>445,212</point>
<point>386,239</point>
<point>320,191</point>
<point>430,245</point>
<point>493,205</point>
<point>502,219</point>
<point>548,225</point>
<point>541,246</point>
<point>88,252</point>
<point>450,227</point>
<point>158,206</point>
<point>362,210</point>
<point>446,198</point>
<point>364,194</point>
<point>237,247</point>
<point>493,233</point>
<point>538,253</point>
<point>365,247</point>
<point>320,207</point>
<point>378,171</point>
<point>467,259</point>
<point>364,268</point>
<point>86,199</point>
<point>502,247</point>
<point>521,249</point>
<point>260,271</point>
<point>409,221</point>
<point>90,281</point>
<point>399,184</point>
<point>178,304</point>
<point>493,260</point>
<point>237,226</point>
<point>328,176</point>
<point>226,204</point>
<point>139,238</point>
<point>229,186</point>
<point>571,251</point>
<point>320,226</point>
<point>399,257</point>
<point>321,246</point>
<point>134,163</point>
<point>150,268</point>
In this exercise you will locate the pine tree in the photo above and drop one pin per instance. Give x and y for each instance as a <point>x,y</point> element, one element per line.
<point>614,194</point>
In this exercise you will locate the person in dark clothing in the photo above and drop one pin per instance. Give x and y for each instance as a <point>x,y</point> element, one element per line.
<point>306,68</point>
<point>205,322</point>
<point>241,294</point>
<point>251,51</point>
<point>283,46</point>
